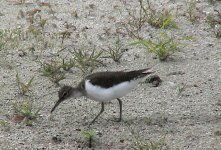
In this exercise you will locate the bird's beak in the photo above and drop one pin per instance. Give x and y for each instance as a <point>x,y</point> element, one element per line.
<point>149,71</point>
<point>57,103</point>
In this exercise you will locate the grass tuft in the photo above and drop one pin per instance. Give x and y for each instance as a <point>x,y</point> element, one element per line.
<point>214,21</point>
<point>89,136</point>
<point>192,11</point>
<point>23,87</point>
<point>115,52</point>
<point>150,145</point>
<point>157,18</point>
<point>25,109</point>
<point>52,70</point>
<point>87,62</point>
<point>163,47</point>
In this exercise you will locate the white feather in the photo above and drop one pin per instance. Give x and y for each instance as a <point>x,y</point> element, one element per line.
<point>106,94</point>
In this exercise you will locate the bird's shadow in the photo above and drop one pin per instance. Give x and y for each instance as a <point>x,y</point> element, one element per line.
<point>158,119</point>
<point>141,121</point>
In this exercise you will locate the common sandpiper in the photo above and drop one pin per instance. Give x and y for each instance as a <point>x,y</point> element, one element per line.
<point>104,87</point>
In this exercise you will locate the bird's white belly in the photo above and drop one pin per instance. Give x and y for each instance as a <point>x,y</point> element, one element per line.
<point>102,94</point>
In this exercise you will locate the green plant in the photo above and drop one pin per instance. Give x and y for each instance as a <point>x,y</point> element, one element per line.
<point>25,109</point>
<point>148,120</point>
<point>148,14</point>
<point>5,124</point>
<point>68,65</point>
<point>52,70</point>
<point>215,23</point>
<point>23,87</point>
<point>192,12</point>
<point>9,38</point>
<point>150,145</point>
<point>89,136</point>
<point>87,62</point>
<point>65,35</point>
<point>36,32</point>
<point>134,23</point>
<point>157,18</point>
<point>181,88</point>
<point>115,52</point>
<point>2,40</point>
<point>218,31</point>
<point>211,20</point>
<point>163,47</point>
<point>213,1</point>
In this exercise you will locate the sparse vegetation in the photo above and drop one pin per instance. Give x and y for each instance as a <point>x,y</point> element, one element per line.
<point>116,52</point>
<point>148,14</point>
<point>157,18</point>
<point>52,70</point>
<point>214,20</point>
<point>68,65</point>
<point>147,145</point>
<point>64,35</point>
<point>2,41</point>
<point>181,88</point>
<point>59,36</point>
<point>5,124</point>
<point>163,47</point>
<point>218,32</point>
<point>192,11</point>
<point>148,120</point>
<point>85,61</point>
<point>24,88</point>
<point>213,1</point>
<point>9,38</point>
<point>25,110</point>
<point>89,136</point>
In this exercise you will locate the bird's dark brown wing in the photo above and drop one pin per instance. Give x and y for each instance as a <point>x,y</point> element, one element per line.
<point>109,79</point>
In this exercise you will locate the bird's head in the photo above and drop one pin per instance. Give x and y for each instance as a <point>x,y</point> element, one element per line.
<point>66,92</point>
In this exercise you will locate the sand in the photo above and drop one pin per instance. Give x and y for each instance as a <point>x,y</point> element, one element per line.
<point>160,115</point>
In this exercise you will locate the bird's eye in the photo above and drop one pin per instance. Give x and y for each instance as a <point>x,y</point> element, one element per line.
<point>64,94</point>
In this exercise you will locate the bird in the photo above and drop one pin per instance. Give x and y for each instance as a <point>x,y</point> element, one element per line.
<point>104,87</point>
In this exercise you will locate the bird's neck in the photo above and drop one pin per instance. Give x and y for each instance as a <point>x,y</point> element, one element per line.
<point>77,92</point>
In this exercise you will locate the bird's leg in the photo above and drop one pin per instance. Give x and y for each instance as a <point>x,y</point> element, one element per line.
<point>102,109</point>
<point>120,103</point>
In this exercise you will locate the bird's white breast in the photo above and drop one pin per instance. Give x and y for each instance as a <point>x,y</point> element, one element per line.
<point>106,94</point>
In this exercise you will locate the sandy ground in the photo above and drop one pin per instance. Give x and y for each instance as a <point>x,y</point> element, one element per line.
<point>191,120</point>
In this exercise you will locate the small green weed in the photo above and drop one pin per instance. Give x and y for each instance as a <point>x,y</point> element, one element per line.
<point>163,47</point>
<point>89,136</point>
<point>192,11</point>
<point>157,18</point>
<point>147,14</point>
<point>52,70</point>
<point>65,35</point>
<point>87,62</point>
<point>115,52</point>
<point>150,145</point>
<point>134,24</point>
<point>23,87</point>
<point>36,32</point>
<point>5,124</point>
<point>2,40</point>
<point>214,20</point>
<point>26,110</point>
<point>148,120</point>
<point>181,88</point>
<point>68,65</point>
<point>9,38</point>
<point>218,32</point>
<point>213,1</point>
